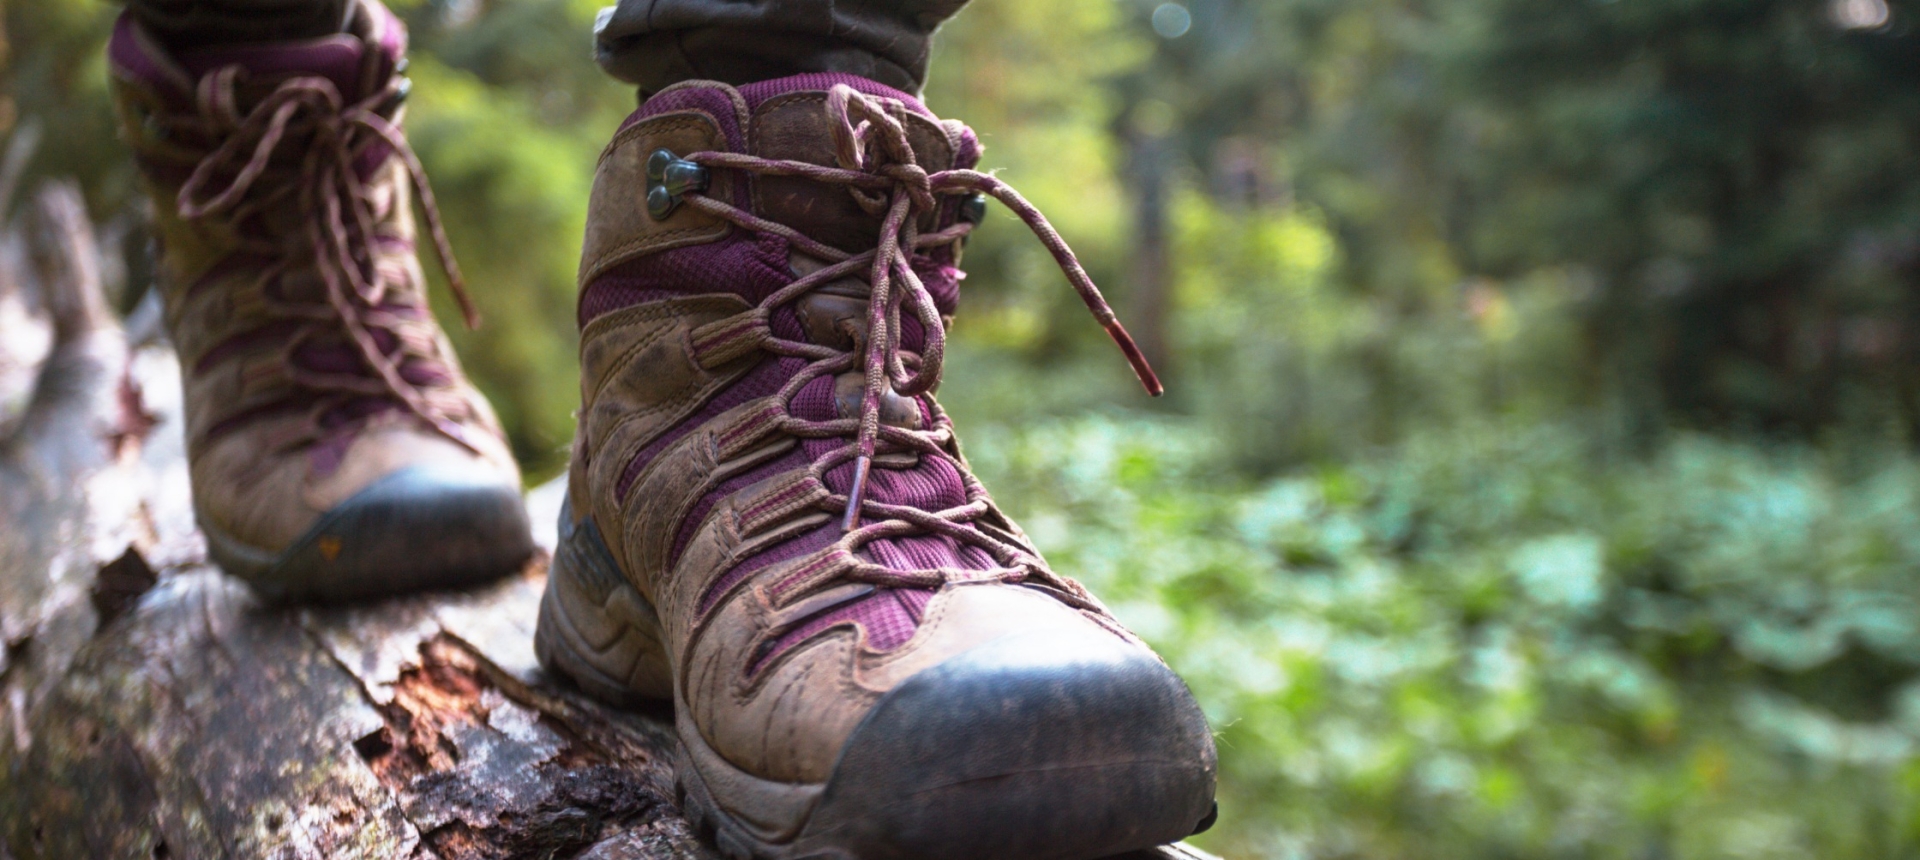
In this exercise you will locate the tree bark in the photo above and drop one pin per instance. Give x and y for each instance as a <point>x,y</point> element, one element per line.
<point>151,708</point>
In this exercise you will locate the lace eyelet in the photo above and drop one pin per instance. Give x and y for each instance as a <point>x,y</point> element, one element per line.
<point>669,179</point>
<point>973,209</point>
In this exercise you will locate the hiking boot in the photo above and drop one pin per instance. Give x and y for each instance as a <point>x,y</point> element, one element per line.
<point>337,450</point>
<point>770,524</point>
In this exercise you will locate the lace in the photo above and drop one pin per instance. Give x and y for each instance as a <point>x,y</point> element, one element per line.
<point>339,209</point>
<point>878,167</point>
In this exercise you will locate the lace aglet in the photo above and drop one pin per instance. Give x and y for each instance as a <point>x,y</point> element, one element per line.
<point>857,494</point>
<point>468,312</point>
<point>1136,358</point>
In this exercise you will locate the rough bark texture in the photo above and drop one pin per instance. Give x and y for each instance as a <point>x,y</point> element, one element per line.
<point>151,708</point>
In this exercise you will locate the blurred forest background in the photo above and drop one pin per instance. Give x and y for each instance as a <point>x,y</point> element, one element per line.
<point>1539,474</point>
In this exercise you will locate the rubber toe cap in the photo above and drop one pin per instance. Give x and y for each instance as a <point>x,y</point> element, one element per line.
<point>418,528</point>
<point>1057,744</point>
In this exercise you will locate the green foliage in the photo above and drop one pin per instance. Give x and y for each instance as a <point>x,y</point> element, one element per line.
<point>1497,641</point>
<point>1731,176</point>
<point>1293,367</point>
<point>55,78</point>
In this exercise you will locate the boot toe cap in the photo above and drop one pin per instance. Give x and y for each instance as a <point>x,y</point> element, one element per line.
<point>1051,744</point>
<point>420,527</point>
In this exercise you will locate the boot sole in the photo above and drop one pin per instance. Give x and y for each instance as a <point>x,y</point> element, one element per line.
<point>1064,810</point>
<point>414,530</point>
<point>596,628</point>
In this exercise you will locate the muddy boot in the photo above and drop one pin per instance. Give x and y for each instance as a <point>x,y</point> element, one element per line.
<point>770,523</point>
<point>337,450</point>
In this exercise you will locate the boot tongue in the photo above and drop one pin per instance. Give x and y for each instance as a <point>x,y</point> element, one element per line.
<point>965,148</point>
<point>338,58</point>
<point>760,92</point>
<point>358,62</point>
<point>789,121</point>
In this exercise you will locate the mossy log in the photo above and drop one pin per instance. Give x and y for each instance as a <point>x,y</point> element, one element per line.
<point>151,708</point>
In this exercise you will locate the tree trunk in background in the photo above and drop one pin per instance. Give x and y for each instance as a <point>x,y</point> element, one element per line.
<point>151,709</point>
<point>1150,299</point>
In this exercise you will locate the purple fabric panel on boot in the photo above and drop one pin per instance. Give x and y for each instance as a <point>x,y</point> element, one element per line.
<point>889,618</point>
<point>747,266</point>
<point>613,292</point>
<point>125,50</point>
<point>390,38</point>
<point>757,94</point>
<point>336,58</point>
<point>812,541</point>
<point>339,358</point>
<point>928,551</point>
<point>968,155</point>
<point>751,269</point>
<point>709,99</point>
<point>760,382</point>
<point>339,58</point>
<point>818,390</point>
<point>932,484</point>
<point>272,334</point>
<point>340,423</point>
<point>942,281</point>
<point>798,459</point>
<point>795,459</point>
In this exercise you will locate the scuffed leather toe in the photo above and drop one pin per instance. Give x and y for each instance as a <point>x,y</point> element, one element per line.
<point>418,528</point>
<point>1054,744</point>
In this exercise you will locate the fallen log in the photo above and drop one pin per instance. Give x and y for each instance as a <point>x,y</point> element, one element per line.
<point>154,709</point>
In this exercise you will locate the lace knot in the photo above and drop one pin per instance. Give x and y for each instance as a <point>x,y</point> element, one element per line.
<point>329,191</point>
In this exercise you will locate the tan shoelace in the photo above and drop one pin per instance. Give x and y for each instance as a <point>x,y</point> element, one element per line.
<point>339,208</point>
<point>878,167</point>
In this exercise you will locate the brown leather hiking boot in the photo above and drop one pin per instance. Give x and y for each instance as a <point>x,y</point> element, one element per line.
<point>770,523</point>
<point>336,449</point>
